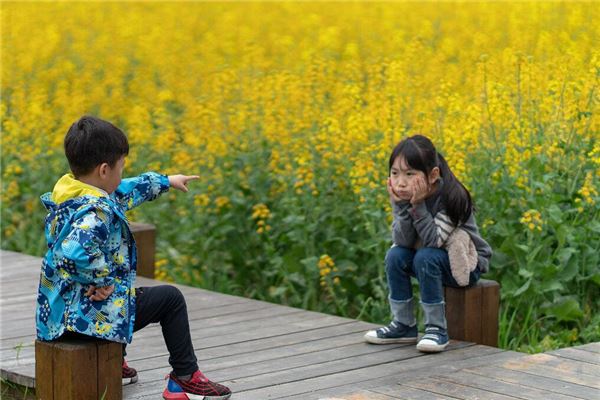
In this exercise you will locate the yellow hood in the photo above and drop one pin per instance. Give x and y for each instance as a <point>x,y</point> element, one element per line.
<point>68,188</point>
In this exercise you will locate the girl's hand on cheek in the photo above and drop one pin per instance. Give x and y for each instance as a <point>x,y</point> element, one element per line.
<point>420,190</point>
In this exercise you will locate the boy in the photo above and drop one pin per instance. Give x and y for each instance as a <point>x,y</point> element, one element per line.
<point>88,272</point>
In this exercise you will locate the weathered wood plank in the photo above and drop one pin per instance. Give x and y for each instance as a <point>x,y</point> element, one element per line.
<point>8,356</point>
<point>556,368</point>
<point>499,373</point>
<point>593,347</point>
<point>286,382</point>
<point>507,388</point>
<point>575,354</point>
<point>219,358</point>
<point>487,357</point>
<point>312,362</point>
<point>405,392</point>
<point>363,395</point>
<point>390,367</point>
<point>452,389</point>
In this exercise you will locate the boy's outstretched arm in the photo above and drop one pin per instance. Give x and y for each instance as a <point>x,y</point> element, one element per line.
<point>134,191</point>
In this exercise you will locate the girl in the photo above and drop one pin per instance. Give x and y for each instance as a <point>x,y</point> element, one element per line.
<point>429,204</point>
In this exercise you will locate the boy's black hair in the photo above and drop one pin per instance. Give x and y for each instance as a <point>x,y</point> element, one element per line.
<point>420,154</point>
<point>91,142</point>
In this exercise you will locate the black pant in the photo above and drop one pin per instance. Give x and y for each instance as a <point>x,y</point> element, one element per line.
<point>165,304</point>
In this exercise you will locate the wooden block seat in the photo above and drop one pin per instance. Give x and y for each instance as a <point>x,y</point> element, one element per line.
<point>78,369</point>
<point>472,313</point>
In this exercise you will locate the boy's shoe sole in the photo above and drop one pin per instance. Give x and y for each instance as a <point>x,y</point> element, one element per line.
<point>371,337</point>
<point>428,346</point>
<point>188,396</point>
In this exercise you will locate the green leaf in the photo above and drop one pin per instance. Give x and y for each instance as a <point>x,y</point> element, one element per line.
<point>555,214</point>
<point>522,288</point>
<point>564,308</point>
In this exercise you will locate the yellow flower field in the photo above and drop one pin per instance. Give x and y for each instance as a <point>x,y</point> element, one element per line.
<point>288,112</point>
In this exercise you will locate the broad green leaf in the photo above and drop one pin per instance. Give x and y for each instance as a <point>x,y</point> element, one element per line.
<point>564,309</point>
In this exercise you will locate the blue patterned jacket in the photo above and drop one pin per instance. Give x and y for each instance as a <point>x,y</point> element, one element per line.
<point>89,243</point>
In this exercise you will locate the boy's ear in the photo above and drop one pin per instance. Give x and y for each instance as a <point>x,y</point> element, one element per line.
<point>434,175</point>
<point>103,170</point>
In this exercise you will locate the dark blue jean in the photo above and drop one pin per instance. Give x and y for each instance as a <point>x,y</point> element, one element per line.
<point>431,267</point>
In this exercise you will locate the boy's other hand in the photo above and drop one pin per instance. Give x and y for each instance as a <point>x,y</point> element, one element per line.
<point>99,293</point>
<point>180,182</point>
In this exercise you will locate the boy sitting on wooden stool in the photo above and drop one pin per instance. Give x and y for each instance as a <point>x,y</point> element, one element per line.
<point>88,273</point>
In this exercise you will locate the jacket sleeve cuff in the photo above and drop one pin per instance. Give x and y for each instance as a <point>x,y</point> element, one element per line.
<point>400,207</point>
<point>418,211</point>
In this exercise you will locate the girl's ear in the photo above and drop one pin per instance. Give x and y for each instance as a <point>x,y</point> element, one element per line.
<point>434,175</point>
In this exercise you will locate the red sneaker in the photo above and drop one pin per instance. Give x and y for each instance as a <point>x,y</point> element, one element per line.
<point>199,387</point>
<point>129,375</point>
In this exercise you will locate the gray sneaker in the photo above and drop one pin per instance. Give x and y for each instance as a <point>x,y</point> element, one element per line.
<point>395,332</point>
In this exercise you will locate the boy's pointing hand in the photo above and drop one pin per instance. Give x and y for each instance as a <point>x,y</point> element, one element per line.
<point>180,181</point>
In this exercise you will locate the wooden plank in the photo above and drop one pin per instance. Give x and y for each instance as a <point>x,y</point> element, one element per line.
<point>592,347</point>
<point>556,368</point>
<point>287,367</point>
<point>487,356</point>
<point>563,364</point>
<point>8,357</point>
<point>286,382</point>
<point>506,388</point>
<point>302,385</point>
<point>363,395</point>
<point>499,373</point>
<point>226,354</point>
<point>405,392</point>
<point>575,354</point>
<point>220,358</point>
<point>249,331</point>
<point>451,389</point>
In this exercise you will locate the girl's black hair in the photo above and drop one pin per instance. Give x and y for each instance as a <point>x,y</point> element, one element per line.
<point>420,154</point>
<point>92,141</point>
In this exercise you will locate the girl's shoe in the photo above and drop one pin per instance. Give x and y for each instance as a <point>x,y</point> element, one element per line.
<point>198,387</point>
<point>129,375</point>
<point>434,340</point>
<point>395,332</point>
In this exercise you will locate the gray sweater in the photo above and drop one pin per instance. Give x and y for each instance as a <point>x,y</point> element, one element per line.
<point>428,225</point>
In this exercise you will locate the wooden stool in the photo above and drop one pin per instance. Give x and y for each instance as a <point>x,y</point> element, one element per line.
<point>472,313</point>
<point>78,369</point>
<point>145,240</point>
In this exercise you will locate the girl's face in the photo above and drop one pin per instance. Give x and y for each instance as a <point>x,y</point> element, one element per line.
<point>404,178</point>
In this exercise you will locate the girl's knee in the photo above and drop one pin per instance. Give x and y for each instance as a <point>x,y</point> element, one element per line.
<point>429,261</point>
<point>398,254</point>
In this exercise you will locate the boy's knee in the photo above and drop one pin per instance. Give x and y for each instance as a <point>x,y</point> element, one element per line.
<point>174,294</point>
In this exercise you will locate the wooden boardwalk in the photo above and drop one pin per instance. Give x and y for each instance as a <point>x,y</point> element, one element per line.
<point>267,351</point>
